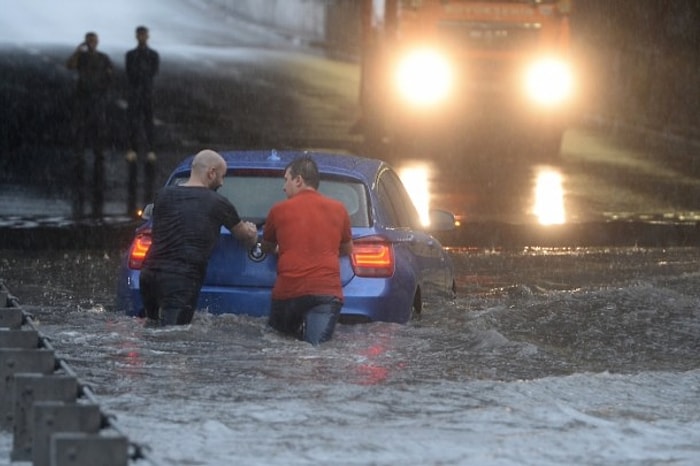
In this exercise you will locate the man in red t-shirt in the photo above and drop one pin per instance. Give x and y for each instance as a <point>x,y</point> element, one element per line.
<point>309,232</point>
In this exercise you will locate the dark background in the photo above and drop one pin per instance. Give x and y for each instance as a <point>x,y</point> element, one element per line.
<point>639,59</point>
<point>642,61</point>
<point>654,24</point>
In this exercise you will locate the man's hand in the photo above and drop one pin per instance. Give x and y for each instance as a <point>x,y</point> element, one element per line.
<point>270,248</point>
<point>246,232</point>
<point>252,233</point>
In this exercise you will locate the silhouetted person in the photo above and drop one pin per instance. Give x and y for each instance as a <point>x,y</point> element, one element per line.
<point>142,64</point>
<point>95,72</point>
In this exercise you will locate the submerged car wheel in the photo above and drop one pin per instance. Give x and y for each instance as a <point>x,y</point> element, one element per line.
<point>416,307</point>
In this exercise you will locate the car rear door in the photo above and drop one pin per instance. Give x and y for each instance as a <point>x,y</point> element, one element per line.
<point>430,260</point>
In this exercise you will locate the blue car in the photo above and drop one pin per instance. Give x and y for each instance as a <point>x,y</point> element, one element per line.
<point>395,263</point>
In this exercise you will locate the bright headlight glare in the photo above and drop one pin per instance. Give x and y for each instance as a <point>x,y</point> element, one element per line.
<point>424,77</point>
<point>549,82</point>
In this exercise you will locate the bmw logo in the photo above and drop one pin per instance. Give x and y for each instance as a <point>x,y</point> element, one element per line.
<point>256,253</point>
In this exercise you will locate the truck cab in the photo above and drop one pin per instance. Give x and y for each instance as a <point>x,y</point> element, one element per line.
<point>475,67</point>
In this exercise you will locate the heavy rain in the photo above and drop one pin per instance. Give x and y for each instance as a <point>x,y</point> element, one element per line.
<point>575,331</point>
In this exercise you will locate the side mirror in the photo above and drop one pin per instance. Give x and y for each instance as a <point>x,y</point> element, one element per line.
<point>147,212</point>
<point>441,220</point>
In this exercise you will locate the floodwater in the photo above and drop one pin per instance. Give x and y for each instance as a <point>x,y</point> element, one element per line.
<point>546,357</point>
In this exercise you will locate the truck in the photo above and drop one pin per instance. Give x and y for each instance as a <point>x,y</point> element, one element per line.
<point>467,69</point>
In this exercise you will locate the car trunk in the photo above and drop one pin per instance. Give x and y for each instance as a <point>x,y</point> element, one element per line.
<point>232,265</point>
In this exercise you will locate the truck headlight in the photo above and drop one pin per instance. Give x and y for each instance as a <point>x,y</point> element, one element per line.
<point>424,77</point>
<point>549,82</point>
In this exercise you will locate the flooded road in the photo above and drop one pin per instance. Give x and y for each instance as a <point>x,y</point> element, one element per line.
<point>545,357</point>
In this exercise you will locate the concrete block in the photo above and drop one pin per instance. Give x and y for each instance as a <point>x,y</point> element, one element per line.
<point>14,361</point>
<point>75,449</point>
<point>19,338</point>
<point>52,418</point>
<point>11,317</point>
<point>29,390</point>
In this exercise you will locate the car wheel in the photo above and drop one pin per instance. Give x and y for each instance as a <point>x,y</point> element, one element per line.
<point>417,307</point>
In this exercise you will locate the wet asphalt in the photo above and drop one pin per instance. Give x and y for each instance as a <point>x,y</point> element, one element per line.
<point>36,170</point>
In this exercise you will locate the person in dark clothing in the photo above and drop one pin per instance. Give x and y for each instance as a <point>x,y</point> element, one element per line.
<point>186,223</point>
<point>142,65</point>
<point>95,72</point>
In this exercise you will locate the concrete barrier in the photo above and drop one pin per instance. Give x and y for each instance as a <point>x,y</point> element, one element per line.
<point>31,389</point>
<point>55,419</point>
<point>10,317</point>
<point>14,361</point>
<point>75,449</point>
<point>18,338</point>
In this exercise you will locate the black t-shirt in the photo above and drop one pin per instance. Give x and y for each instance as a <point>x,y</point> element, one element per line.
<point>94,74</point>
<point>186,226</point>
<point>142,65</point>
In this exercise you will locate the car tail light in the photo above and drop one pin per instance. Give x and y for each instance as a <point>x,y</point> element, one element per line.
<point>372,257</point>
<point>138,250</point>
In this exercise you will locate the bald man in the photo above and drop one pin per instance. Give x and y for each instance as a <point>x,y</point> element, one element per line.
<point>187,220</point>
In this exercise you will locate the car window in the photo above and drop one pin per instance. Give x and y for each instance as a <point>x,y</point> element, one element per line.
<point>253,196</point>
<point>353,195</point>
<point>399,206</point>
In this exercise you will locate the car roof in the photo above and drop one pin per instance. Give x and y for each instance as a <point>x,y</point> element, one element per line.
<point>329,162</point>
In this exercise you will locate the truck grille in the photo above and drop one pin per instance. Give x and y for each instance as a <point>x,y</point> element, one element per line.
<point>489,37</point>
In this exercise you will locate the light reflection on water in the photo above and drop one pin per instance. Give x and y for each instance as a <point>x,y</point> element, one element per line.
<point>548,194</point>
<point>548,204</point>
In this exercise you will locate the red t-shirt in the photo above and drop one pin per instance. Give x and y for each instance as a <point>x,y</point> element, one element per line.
<point>309,229</point>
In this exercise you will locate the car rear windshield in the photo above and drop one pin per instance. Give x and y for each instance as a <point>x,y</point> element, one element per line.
<point>253,196</point>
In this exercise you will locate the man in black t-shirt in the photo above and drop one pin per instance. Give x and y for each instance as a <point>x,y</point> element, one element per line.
<point>95,72</point>
<point>186,223</point>
<point>142,66</point>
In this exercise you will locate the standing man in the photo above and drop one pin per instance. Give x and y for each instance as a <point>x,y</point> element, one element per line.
<point>309,232</point>
<point>187,221</point>
<point>95,72</point>
<point>142,64</point>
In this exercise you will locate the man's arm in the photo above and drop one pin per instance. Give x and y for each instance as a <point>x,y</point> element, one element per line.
<point>156,64</point>
<point>246,232</point>
<point>346,248</point>
<point>109,68</point>
<point>268,247</point>
<point>72,62</point>
<point>129,65</point>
